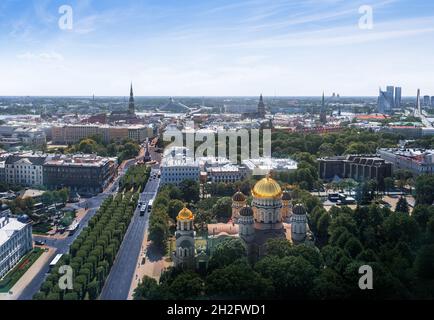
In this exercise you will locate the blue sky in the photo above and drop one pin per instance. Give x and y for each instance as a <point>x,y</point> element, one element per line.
<point>215,47</point>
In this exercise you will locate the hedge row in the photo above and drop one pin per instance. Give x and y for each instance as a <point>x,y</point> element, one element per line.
<point>92,254</point>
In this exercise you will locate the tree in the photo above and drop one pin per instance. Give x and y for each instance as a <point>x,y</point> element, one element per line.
<point>174,207</point>
<point>400,226</point>
<point>190,190</point>
<point>130,150</point>
<point>353,247</point>
<point>402,206</point>
<point>402,176</point>
<point>47,198</point>
<point>87,146</point>
<point>329,285</point>
<point>278,247</point>
<point>187,286</point>
<point>223,208</point>
<point>425,262</point>
<point>158,234</point>
<point>425,189</point>
<point>389,183</point>
<point>363,194</point>
<point>226,252</point>
<point>237,281</point>
<point>292,277</point>
<point>422,214</point>
<point>147,289</point>
<point>322,228</point>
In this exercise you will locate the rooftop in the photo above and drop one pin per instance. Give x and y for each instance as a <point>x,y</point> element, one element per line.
<point>79,160</point>
<point>7,229</point>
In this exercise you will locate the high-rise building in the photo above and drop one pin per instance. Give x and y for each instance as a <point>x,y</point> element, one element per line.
<point>386,100</point>
<point>426,101</point>
<point>432,101</point>
<point>390,95</point>
<point>398,95</point>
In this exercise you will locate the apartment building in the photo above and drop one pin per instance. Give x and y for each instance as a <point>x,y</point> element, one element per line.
<point>85,174</point>
<point>15,242</point>
<point>25,169</point>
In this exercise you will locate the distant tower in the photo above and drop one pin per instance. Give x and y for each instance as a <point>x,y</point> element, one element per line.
<point>238,201</point>
<point>131,107</point>
<point>398,97</point>
<point>261,108</point>
<point>246,224</point>
<point>298,224</point>
<point>286,205</point>
<point>323,115</point>
<point>185,250</point>
<point>147,156</point>
<point>418,104</point>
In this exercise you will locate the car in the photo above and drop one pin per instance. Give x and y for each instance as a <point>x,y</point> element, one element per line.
<point>39,242</point>
<point>142,210</point>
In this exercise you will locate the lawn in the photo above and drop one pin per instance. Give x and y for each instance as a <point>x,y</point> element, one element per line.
<point>41,228</point>
<point>18,271</point>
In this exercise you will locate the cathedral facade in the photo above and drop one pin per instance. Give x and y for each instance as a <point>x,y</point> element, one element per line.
<point>270,216</point>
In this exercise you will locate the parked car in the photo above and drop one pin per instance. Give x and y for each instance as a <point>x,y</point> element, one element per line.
<point>39,242</point>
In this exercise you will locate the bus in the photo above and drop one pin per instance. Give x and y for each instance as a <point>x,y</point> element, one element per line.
<point>150,205</point>
<point>73,227</point>
<point>55,260</point>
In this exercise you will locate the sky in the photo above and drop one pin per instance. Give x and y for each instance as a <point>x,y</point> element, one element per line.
<point>215,47</point>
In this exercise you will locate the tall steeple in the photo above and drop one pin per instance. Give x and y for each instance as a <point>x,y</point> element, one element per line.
<point>261,108</point>
<point>131,107</point>
<point>323,115</point>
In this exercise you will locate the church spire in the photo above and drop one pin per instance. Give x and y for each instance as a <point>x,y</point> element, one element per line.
<point>323,116</point>
<point>261,107</point>
<point>131,107</point>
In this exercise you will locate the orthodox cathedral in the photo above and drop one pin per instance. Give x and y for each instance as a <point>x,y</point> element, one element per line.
<point>271,215</point>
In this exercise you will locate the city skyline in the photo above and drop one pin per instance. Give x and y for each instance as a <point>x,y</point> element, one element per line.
<point>279,48</point>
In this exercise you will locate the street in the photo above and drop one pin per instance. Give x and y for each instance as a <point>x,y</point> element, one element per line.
<point>62,245</point>
<point>122,272</point>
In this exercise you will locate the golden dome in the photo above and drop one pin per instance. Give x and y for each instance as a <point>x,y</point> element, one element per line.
<point>185,214</point>
<point>267,188</point>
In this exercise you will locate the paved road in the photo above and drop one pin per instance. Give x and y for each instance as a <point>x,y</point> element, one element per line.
<point>118,283</point>
<point>62,245</point>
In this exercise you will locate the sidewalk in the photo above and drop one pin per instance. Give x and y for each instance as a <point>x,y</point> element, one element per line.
<point>150,268</point>
<point>18,288</point>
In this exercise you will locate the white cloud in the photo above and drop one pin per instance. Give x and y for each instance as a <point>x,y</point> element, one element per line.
<point>43,56</point>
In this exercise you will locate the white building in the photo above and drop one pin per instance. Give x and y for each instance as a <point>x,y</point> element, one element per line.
<point>417,161</point>
<point>226,174</point>
<point>262,166</point>
<point>177,166</point>
<point>15,242</point>
<point>25,169</point>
